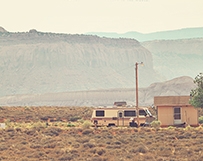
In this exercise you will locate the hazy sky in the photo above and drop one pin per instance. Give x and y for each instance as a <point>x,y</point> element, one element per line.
<point>81,16</point>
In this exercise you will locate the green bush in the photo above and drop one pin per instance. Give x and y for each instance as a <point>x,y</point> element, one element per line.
<point>188,127</point>
<point>171,127</point>
<point>201,119</point>
<point>86,125</point>
<point>156,124</point>
<point>70,125</point>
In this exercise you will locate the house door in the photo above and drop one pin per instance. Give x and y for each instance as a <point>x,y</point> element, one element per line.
<point>177,115</point>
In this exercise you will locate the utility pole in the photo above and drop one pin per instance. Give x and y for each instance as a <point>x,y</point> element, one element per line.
<point>136,85</point>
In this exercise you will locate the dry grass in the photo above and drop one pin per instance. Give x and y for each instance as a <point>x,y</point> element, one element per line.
<point>35,140</point>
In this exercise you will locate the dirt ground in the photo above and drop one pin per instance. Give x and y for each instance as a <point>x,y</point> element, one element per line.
<point>59,134</point>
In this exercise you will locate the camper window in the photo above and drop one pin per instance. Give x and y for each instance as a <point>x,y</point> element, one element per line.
<point>142,113</point>
<point>100,113</point>
<point>130,113</point>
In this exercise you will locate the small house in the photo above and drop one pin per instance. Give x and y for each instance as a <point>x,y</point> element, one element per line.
<point>175,111</point>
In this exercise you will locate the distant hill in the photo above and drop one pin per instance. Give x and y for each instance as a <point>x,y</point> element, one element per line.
<point>185,33</point>
<point>2,30</point>
<point>175,58</point>
<point>175,87</point>
<point>35,62</point>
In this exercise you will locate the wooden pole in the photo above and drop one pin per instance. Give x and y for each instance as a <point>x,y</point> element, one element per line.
<point>136,82</point>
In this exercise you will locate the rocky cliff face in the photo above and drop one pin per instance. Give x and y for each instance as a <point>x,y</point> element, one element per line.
<point>34,63</point>
<point>175,58</point>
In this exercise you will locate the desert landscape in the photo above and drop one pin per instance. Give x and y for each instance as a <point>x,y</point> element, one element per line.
<point>64,133</point>
<point>61,59</point>
<point>55,69</point>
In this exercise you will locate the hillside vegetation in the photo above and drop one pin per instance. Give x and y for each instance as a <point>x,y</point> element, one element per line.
<point>29,137</point>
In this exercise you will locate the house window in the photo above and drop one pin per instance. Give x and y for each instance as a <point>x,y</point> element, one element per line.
<point>131,113</point>
<point>100,113</point>
<point>177,114</point>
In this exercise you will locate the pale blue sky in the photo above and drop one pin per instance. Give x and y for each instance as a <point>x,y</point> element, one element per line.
<point>81,16</point>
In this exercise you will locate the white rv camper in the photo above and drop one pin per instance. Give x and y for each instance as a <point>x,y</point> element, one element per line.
<point>121,116</point>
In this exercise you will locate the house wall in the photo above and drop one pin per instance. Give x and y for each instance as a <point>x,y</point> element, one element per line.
<point>165,115</point>
<point>189,115</point>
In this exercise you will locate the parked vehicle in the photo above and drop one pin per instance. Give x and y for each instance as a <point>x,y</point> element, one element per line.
<point>121,116</point>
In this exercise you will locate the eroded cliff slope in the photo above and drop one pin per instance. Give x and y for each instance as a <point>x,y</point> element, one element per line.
<point>34,63</point>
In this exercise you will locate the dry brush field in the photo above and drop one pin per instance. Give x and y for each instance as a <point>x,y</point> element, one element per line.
<point>60,134</point>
